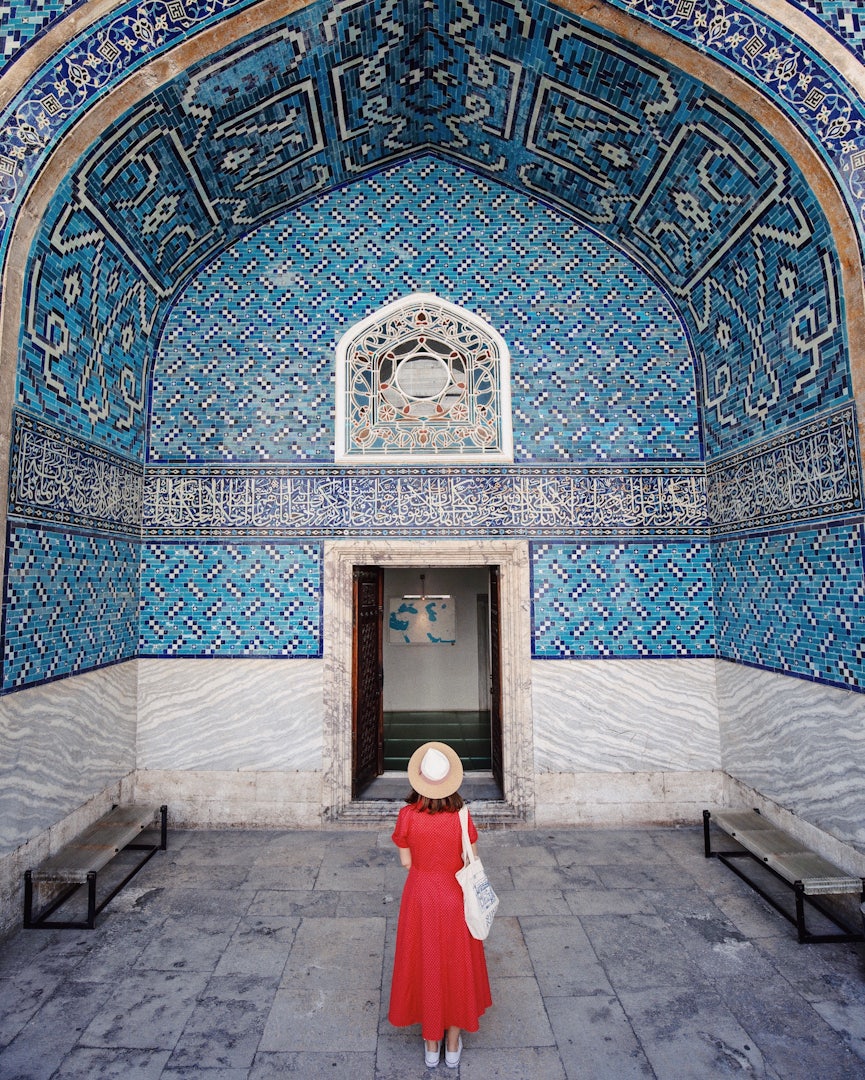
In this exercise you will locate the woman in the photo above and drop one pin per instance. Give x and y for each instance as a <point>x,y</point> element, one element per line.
<point>439,973</point>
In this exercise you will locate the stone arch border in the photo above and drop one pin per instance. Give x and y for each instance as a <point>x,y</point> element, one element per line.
<point>512,556</point>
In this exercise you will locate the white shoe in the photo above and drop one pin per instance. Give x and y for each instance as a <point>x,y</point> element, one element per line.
<point>431,1057</point>
<point>452,1060</point>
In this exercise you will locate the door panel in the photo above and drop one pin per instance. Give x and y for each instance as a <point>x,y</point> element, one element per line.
<point>495,679</point>
<point>367,677</point>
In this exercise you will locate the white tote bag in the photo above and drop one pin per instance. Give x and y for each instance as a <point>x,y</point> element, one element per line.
<point>479,900</point>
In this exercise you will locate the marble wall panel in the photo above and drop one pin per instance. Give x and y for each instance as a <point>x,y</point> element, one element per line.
<point>619,800</point>
<point>277,799</point>
<point>224,715</point>
<point>625,716</point>
<point>61,743</point>
<point>799,743</point>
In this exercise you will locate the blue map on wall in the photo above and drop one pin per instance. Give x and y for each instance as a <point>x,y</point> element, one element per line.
<point>422,621</point>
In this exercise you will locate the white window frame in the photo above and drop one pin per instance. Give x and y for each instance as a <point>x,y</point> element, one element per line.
<point>466,451</point>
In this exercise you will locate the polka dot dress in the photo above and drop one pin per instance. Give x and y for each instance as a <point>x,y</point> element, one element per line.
<point>440,973</point>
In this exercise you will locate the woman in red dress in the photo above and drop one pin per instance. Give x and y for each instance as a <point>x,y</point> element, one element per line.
<point>439,973</point>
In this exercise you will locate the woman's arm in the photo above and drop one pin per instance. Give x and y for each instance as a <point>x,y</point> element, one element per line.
<point>405,857</point>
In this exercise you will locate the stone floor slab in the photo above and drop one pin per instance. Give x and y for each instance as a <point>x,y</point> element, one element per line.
<point>616,953</point>
<point>322,1018</point>
<point>594,1037</point>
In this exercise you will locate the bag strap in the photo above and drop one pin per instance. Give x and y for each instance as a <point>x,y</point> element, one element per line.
<point>468,854</point>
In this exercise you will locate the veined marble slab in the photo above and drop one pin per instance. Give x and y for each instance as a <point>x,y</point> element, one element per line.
<point>259,799</point>
<point>799,743</point>
<point>60,743</point>
<point>625,715</point>
<point>224,715</point>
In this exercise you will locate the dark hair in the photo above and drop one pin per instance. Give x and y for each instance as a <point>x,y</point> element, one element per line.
<point>451,803</point>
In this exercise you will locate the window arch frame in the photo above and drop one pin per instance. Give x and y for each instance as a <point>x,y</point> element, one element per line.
<point>473,426</point>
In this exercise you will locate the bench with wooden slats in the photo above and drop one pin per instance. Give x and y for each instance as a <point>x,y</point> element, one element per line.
<point>79,862</point>
<point>808,874</point>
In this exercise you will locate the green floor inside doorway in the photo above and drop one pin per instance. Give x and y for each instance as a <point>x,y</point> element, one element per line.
<point>467,732</point>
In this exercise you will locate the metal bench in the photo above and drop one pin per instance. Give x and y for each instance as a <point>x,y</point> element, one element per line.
<point>79,862</point>
<point>808,875</point>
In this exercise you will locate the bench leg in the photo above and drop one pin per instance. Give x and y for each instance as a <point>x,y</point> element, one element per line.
<point>163,827</point>
<point>799,892</point>
<point>28,900</point>
<point>91,899</point>
<point>707,841</point>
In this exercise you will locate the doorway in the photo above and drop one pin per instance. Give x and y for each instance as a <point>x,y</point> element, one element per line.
<point>424,668</point>
<point>512,754</point>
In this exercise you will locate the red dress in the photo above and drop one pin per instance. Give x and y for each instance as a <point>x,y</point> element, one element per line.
<point>439,972</point>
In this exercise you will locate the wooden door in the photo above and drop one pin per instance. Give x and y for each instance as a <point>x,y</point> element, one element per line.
<point>367,677</point>
<point>495,679</point>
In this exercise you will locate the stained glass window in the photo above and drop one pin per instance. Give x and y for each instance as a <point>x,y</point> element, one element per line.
<point>423,378</point>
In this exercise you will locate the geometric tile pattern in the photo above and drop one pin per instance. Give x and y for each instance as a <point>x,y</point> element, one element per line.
<point>844,18</point>
<point>766,53</point>
<point>794,602</point>
<point>598,601</point>
<point>21,21</point>
<point>695,190</point>
<point>691,188</point>
<point>600,366</point>
<point>220,599</point>
<point>71,604</point>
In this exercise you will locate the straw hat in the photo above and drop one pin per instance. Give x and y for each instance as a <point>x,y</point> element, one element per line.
<point>435,770</point>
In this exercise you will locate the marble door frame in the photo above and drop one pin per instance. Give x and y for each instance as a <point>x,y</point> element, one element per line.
<point>512,556</point>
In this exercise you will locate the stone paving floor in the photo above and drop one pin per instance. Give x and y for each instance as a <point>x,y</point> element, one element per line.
<point>251,955</point>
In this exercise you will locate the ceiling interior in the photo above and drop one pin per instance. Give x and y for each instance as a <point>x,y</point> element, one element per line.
<point>676,176</point>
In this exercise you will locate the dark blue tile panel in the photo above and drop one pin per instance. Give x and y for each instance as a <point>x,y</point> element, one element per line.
<point>231,599</point>
<point>599,601</point>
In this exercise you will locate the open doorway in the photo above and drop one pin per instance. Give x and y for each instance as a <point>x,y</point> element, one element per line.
<point>512,647</point>
<point>425,666</point>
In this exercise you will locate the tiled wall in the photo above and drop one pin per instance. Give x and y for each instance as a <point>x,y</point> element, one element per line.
<point>691,187</point>
<point>621,600</point>
<point>212,599</point>
<point>600,365</point>
<point>794,602</point>
<point>71,604</point>
<point>605,385</point>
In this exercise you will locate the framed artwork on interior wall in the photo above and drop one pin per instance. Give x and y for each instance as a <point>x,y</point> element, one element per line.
<point>423,620</point>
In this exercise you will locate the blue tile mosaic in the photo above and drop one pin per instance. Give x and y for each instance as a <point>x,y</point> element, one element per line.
<point>693,189</point>
<point>222,599</point>
<point>844,19</point>
<point>794,602</point>
<point>71,604</point>
<point>21,22</point>
<point>601,367</point>
<point>314,121</point>
<point>621,600</point>
<point>767,54</point>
